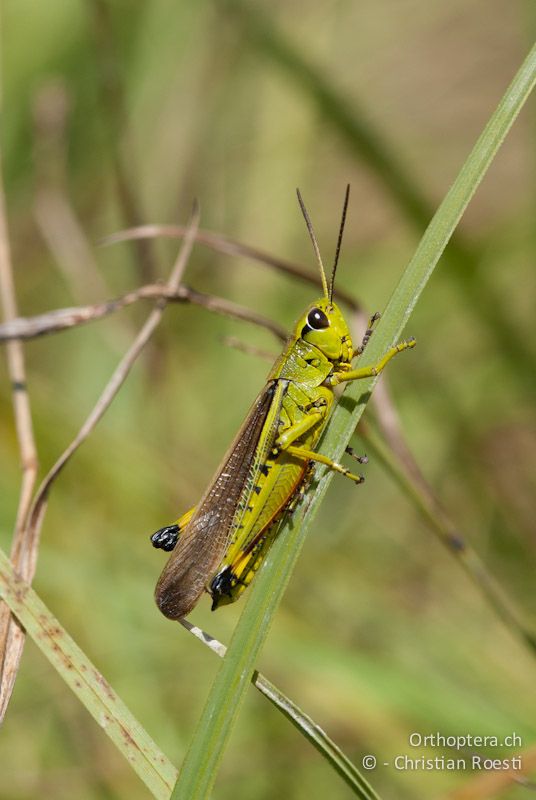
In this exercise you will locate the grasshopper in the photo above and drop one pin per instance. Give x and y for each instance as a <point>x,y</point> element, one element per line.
<point>219,544</point>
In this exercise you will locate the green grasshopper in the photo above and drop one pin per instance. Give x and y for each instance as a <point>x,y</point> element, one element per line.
<point>219,544</point>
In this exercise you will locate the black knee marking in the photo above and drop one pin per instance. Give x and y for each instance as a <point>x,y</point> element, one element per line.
<point>166,538</point>
<point>222,585</point>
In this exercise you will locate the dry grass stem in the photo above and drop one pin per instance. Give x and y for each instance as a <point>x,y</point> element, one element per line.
<point>9,628</point>
<point>64,318</point>
<point>26,547</point>
<point>425,500</point>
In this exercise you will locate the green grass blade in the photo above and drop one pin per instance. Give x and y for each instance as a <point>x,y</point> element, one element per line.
<point>159,774</point>
<point>91,688</point>
<point>318,738</point>
<point>230,685</point>
<point>369,144</point>
<point>302,721</point>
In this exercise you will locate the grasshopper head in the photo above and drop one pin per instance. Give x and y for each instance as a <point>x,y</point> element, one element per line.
<point>324,326</point>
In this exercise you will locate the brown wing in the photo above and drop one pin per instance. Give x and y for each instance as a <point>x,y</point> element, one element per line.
<point>202,544</point>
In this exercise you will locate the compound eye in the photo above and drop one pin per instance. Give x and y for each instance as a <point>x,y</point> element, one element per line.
<point>317,320</point>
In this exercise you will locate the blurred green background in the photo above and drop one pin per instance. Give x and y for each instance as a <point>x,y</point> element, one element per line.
<point>381,633</point>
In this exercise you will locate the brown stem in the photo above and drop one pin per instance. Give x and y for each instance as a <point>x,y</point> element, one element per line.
<point>9,628</point>
<point>65,318</point>
<point>439,521</point>
<point>25,554</point>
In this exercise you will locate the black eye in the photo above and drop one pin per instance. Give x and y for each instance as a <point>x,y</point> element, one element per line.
<point>317,320</point>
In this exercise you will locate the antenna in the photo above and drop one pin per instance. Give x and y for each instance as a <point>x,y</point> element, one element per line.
<point>315,245</point>
<point>339,240</point>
